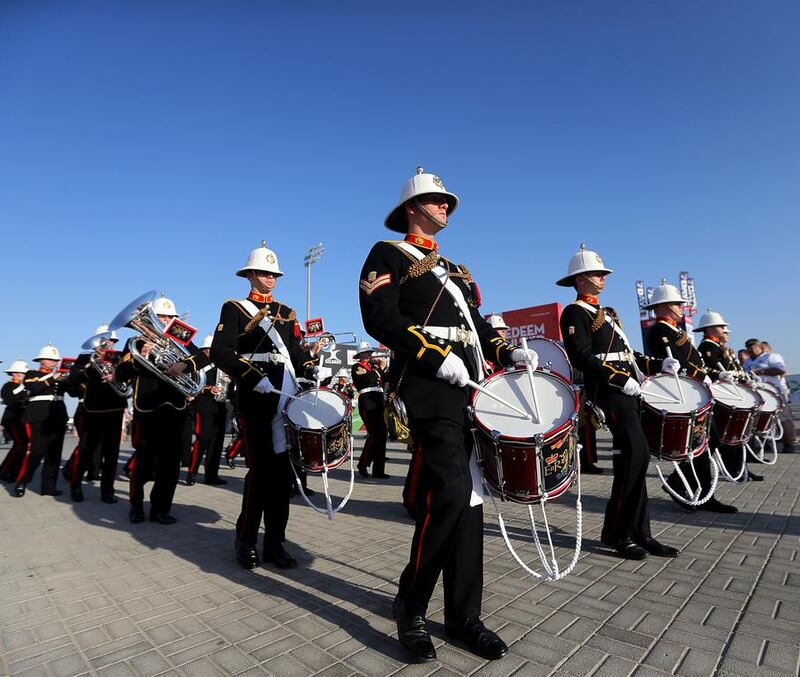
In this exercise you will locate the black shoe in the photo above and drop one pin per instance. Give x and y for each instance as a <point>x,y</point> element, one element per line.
<point>162,517</point>
<point>414,636</point>
<point>659,549</point>
<point>591,469</point>
<point>109,498</point>
<point>627,548</point>
<point>478,638</point>
<point>231,463</point>
<point>755,478</point>
<point>76,495</point>
<point>136,516</point>
<point>216,481</point>
<point>19,490</point>
<point>246,555</point>
<point>191,478</point>
<point>275,554</point>
<point>713,505</point>
<point>363,471</point>
<point>381,476</point>
<point>51,492</point>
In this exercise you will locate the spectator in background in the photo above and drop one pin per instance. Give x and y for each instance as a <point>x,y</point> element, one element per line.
<point>771,368</point>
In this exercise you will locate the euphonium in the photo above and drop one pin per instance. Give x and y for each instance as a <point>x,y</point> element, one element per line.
<point>139,315</point>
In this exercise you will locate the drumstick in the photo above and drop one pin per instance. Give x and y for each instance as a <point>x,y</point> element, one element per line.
<point>489,393</point>
<point>677,378</point>
<point>732,393</point>
<point>283,394</point>
<point>530,378</point>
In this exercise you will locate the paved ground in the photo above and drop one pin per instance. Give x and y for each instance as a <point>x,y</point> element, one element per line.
<point>83,591</point>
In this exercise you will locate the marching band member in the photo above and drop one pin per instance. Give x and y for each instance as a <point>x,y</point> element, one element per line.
<point>257,342</point>
<point>368,378</point>
<point>158,415</point>
<point>14,396</point>
<point>210,416</point>
<point>45,420</point>
<point>343,384</point>
<point>497,323</point>
<point>720,367</point>
<point>611,370</point>
<point>667,304</point>
<point>100,428</point>
<point>425,309</point>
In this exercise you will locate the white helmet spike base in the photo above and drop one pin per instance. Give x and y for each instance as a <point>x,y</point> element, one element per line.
<point>583,261</point>
<point>710,319</point>
<point>262,260</point>
<point>17,367</point>
<point>665,293</point>
<point>421,183</point>
<point>48,352</point>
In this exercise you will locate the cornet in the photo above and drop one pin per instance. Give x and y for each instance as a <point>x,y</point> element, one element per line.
<point>98,344</point>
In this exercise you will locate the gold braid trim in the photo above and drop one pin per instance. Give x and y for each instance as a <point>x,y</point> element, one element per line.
<point>682,339</point>
<point>253,323</point>
<point>419,268</point>
<point>599,320</point>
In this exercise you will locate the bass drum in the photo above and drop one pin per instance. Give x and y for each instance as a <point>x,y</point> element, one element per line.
<point>524,460</point>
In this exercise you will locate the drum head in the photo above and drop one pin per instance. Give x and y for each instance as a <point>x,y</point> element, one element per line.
<point>550,352</point>
<point>314,413</point>
<point>771,400</point>
<point>555,398</point>
<point>662,393</point>
<point>736,395</point>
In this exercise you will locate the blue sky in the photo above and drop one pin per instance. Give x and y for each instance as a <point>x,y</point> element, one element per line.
<point>153,144</point>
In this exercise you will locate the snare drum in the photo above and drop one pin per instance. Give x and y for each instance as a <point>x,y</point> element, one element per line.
<point>551,356</point>
<point>318,429</point>
<point>767,418</point>
<point>736,408</point>
<point>521,459</point>
<point>676,420</point>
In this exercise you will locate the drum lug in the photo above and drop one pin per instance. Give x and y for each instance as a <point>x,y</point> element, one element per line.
<point>548,367</point>
<point>471,412</point>
<point>661,434</point>
<point>498,461</point>
<point>538,441</point>
<point>689,435</point>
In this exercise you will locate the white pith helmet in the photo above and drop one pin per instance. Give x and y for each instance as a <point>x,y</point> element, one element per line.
<point>342,373</point>
<point>103,328</point>
<point>164,306</point>
<point>710,319</point>
<point>364,348</point>
<point>496,321</point>
<point>17,367</point>
<point>665,293</point>
<point>419,184</point>
<point>583,261</point>
<point>207,341</point>
<point>48,352</point>
<point>261,259</point>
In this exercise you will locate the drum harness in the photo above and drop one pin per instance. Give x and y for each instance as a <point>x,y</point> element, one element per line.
<point>424,264</point>
<point>260,318</point>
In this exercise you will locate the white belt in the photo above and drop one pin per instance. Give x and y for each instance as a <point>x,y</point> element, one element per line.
<point>371,389</point>
<point>457,334</point>
<point>616,357</point>
<point>46,398</point>
<point>275,358</point>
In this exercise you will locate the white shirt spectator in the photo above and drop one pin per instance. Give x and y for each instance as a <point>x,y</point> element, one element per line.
<point>770,361</point>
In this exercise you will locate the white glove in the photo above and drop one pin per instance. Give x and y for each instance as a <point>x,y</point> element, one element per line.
<point>707,381</point>
<point>525,355</point>
<point>727,376</point>
<point>264,386</point>
<point>315,372</point>
<point>631,388</point>
<point>670,366</point>
<point>453,370</point>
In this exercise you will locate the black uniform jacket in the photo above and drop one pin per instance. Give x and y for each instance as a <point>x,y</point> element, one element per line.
<point>43,384</point>
<point>14,396</point>
<point>205,403</point>
<point>664,335</point>
<point>366,375</point>
<point>714,355</point>
<point>586,337</point>
<point>398,297</point>
<point>150,391</point>
<point>239,336</point>
<point>85,383</point>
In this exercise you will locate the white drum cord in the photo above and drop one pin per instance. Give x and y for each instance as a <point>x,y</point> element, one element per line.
<point>329,509</point>
<point>723,471</point>
<point>762,442</point>
<point>694,499</point>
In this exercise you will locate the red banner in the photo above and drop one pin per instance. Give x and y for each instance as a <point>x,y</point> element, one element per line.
<point>535,321</point>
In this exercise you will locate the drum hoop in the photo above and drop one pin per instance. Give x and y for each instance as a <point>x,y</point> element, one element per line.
<point>681,414</point>
<point>348,408</point>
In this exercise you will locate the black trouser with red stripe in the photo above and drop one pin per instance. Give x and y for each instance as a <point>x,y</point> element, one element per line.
<point>448,537</point>
<point>266,489</point>
<point>103,431</point>
<point>157,441</point>
<point>9,469</point>
<point>588,440</point>
<point>209,431</point>
<point>374,451</point>
<point>627,512</point>
<point>46,438</point>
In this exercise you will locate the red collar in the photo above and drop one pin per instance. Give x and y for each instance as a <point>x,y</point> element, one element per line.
<point>588,298</point>
<point>46,371</point>
<point>260,298</point>
<point>715,339</point>
<point>421,241</point>
<point>668,320</point>
<point>365,364</point>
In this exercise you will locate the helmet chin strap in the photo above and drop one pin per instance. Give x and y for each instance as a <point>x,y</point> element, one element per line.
<point>595,288</point>
<point>428,215</point>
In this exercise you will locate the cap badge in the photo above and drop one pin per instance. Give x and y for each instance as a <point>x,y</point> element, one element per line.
<point>438,182</point>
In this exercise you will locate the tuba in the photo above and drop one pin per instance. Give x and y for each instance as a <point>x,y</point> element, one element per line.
<point>98,344</point>
<point>139,316</point>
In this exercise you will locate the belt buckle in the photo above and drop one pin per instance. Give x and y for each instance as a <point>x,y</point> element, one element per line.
<point>462,335</point>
